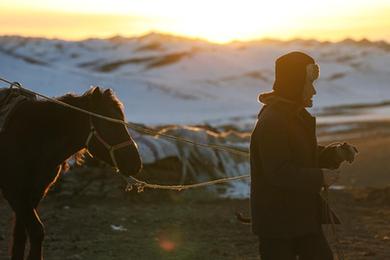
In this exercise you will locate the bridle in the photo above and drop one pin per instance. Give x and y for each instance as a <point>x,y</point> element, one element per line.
<point>111,148</point>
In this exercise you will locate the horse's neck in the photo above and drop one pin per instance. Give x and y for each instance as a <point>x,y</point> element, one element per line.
<point>65,130</point>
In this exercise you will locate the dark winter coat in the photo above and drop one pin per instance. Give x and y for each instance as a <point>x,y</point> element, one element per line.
<point>286,178</point>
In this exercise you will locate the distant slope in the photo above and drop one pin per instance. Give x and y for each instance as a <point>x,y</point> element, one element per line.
<point>167,79</point>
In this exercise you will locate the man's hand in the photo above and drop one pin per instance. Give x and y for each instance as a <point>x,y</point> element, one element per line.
<point>330,176</point>
<point>346,152</point>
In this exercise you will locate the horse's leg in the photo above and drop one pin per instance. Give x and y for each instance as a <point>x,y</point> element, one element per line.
<point>35,232</point>
<point>34,226</point>
<point>19,238</point>
<point>28,217</point>
<point>18,243</point>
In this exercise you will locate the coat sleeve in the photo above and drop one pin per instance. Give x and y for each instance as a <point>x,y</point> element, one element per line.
<point>328,157</point>
<point>276,160</point>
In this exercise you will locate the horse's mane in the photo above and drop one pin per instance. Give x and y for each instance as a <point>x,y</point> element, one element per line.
<point>116,102</point>
<point>78,157</point>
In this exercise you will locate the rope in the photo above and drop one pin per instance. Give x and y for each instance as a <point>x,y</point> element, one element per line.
<point>339,251</point>
<point>140,185</point>
<point>136,127</point>
<point>132,181</point>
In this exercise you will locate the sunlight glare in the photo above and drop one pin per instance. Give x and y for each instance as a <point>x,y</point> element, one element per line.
<point>217,20</point>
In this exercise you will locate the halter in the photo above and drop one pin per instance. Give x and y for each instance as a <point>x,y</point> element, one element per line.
<point>111,148</point>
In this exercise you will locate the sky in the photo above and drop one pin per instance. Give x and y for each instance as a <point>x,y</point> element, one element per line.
<point>218,21</point>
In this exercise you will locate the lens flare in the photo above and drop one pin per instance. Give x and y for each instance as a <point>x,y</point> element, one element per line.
<point>169,239</point>
<point>167,245</point>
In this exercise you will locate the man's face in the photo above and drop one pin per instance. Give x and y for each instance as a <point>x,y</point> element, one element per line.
<point>312,73</point>
<point>308,93</point>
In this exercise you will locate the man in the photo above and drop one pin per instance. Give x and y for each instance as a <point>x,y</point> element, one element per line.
<point>289,169</point>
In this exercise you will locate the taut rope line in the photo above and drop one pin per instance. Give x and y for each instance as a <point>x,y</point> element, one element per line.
<point>132,181</point>
<point>130,125</point>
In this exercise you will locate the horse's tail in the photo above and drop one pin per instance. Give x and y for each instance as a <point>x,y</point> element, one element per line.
<point>245,220</point>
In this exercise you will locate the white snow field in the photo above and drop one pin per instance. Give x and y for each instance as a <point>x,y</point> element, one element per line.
<point>163,79</point>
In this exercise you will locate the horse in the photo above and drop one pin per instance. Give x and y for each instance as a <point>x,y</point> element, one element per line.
<point>39,139</point>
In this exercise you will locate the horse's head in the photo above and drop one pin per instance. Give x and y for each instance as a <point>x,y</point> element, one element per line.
<point>110,141</point>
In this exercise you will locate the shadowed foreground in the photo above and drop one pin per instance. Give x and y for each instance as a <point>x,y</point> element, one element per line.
<point>194,225</point>
<point>177,227</point>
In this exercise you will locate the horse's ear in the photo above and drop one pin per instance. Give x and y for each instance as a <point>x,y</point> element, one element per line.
<point>93,90</point>
<point>108,92</point>
<point>96,92</point>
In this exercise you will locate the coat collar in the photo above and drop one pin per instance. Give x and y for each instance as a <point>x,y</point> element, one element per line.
<point>285,105</point>
<point>290,108</point>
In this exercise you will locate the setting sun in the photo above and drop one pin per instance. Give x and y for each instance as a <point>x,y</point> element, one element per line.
<point>217,21</point>
<point>236,129</point>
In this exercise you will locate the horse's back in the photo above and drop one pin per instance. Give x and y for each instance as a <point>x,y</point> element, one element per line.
<point>10,99</point>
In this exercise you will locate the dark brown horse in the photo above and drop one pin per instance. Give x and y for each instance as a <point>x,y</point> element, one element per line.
<point>35,146</point>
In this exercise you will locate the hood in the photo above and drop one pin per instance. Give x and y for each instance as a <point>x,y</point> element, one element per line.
<point>290,75</point>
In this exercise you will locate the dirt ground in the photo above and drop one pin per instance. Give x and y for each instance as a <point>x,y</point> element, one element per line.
<point>176,227</point>
<point>195,225</point>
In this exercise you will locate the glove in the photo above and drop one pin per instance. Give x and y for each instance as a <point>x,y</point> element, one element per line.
<point>346,152</point>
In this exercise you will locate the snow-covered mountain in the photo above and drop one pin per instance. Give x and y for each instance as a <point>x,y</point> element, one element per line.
<point>164,79</point>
